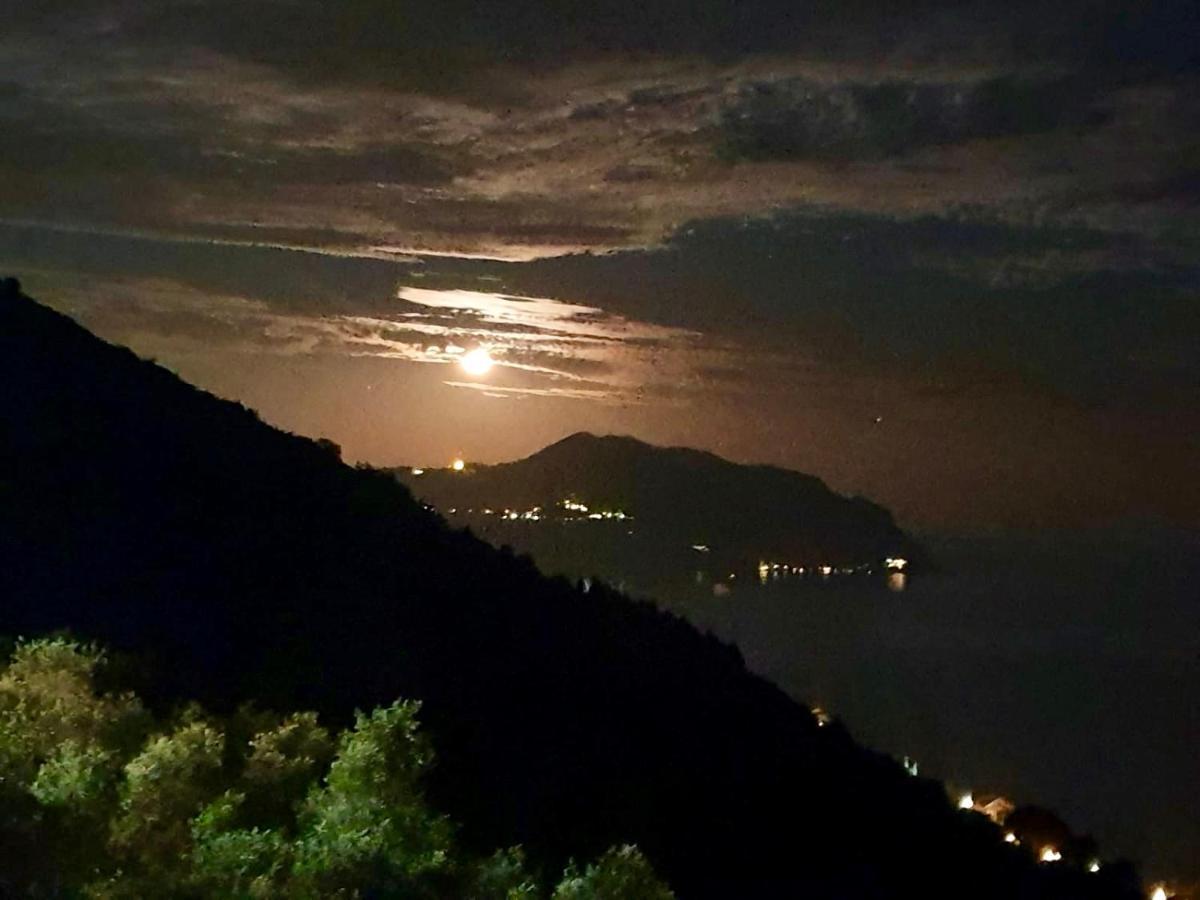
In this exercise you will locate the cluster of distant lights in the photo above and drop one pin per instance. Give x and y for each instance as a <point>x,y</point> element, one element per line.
<point>512,515</point>
<point>574,506</point>
<point>1047,853</point>
<point>893,566</point>
<point>457,465</point>
<point>966,801</point>
<point>537,514</point>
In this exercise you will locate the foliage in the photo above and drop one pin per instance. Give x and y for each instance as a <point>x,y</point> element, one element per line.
<point>622,873</point>
<point>99,800</point>
<point>368,822</point>
<point>503,876</point>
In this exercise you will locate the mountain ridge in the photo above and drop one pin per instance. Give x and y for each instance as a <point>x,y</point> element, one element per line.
<point>668,502</point>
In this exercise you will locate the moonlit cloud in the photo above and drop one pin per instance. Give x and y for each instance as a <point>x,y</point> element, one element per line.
<point>227,143</point>
<point>540,347</point>
<point>569,320</point>
<point>497,392</point>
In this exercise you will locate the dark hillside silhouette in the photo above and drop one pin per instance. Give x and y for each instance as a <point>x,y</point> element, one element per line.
<point>245,562</point>
<point>679,499</point>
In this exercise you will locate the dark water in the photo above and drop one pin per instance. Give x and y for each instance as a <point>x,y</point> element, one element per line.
<point>1059,671</point>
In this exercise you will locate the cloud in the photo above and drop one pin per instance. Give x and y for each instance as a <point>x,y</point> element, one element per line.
<point>464,130</point>
<point>800,118</point>
<point>561,393</point>
<point>1067,312</point>
<point>571,321</point>
<point>599,355</point>
<point>407,42</point>
<point>789,302</point>
<point>179,299</point>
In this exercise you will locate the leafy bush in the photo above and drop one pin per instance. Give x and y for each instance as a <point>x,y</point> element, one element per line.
<point>620,873</point>
<point>100,800</point>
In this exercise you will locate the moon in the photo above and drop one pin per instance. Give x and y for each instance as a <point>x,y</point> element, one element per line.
<point>477,362</point>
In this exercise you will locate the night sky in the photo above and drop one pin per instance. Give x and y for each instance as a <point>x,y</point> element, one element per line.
<point>947,256</point>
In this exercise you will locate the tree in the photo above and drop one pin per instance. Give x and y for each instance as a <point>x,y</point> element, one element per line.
<point>330,447</point>
<point>622,873</point>
<point>503,876</point>
<point>369,821</point>
<point>61,752</point>
<point>165,786</point>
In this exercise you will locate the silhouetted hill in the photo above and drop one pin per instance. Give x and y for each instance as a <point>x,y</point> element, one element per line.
<point>671,501</point>
<point>140,511</point>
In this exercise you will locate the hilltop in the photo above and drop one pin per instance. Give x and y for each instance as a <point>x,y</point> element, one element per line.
<point>237,561</point>
<point>663,511</point>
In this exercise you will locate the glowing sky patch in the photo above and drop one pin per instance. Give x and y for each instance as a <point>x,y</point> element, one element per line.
<point>477,362</point>
<point>542,313</point>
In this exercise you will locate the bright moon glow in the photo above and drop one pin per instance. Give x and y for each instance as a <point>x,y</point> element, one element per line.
<point>477,362</point>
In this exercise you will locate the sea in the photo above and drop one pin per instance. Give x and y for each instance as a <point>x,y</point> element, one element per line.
<point>1055,669</point>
